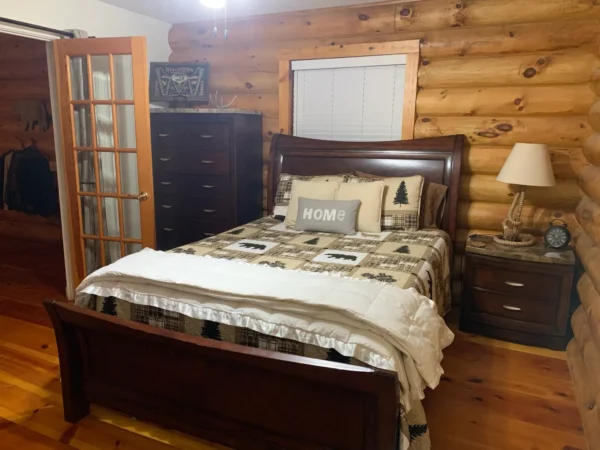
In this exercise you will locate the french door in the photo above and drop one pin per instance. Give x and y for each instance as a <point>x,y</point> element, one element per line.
<point>105,120</point>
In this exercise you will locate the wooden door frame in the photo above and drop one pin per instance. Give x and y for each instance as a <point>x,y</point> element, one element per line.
<point>410,48</point>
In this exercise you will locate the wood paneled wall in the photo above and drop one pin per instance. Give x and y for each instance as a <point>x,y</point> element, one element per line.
<point>498,71</point>
<point>24,76</point>
<point>583,353</point>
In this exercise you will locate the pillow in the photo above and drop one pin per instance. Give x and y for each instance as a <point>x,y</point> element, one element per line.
<point>318,190</point>
<point>284,189</point>
<point>328,216</point>
<point>401,201</point>
<point>370,196</point>
<point>433,202</point>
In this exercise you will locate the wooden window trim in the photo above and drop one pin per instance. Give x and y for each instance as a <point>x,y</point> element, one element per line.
<point>409,48</point>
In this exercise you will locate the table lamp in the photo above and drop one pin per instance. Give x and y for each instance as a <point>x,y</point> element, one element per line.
<point>527,165</point>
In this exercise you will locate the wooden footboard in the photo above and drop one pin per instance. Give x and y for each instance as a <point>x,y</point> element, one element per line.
<point>241,397</point>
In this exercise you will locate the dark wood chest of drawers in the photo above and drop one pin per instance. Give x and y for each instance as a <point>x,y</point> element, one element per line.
<point>207,170</point>
<point>524,301</point>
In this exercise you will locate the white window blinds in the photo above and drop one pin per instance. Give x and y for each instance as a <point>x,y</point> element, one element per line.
<point>349,99</point>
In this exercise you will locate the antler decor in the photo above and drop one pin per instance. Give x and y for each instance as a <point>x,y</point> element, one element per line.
<point>219,103</point>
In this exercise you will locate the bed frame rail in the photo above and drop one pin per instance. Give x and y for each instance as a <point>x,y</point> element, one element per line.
<point>241,397</point>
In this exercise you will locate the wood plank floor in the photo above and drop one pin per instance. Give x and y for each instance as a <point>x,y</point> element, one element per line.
<point>494,395</point>
<point>30,271</point>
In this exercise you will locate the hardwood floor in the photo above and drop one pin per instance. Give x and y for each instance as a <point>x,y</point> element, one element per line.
<point>495,395</point>
<point>30,271</point>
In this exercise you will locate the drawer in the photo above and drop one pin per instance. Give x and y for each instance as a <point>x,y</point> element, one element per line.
<point>543,286</point>
<point>189,135</point>
<point>207,163</point>
<point>192,185</point>
<point>514,308</point>
<point>174,209</point>
<point>168,238</point>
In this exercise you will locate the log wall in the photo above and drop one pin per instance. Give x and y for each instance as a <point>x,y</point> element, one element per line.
<point>24,76</point>
<point>583,354</point>
<point>498,71</point>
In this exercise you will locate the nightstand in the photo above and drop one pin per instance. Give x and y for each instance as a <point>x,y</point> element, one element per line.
<point>521,295</point>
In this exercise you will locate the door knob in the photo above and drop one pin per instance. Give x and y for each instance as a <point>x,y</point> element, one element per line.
<point>143,196</point>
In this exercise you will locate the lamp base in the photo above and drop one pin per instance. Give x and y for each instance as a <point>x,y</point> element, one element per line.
<point>523,240</point>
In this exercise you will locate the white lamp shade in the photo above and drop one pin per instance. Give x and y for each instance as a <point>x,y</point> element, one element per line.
<point>528,165</point>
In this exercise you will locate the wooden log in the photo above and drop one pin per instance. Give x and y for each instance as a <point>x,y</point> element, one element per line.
<point>591,149</point>
<point>564,195</point>
<point>34,70</point>
<point>507,39</point>
<point>488,160</point>
<point>270,127</point>
<point>594,116</point>
<point>589,253</point>
<point>595,82</point>
<point>589,182</point>
<point>588,216</point>
<point>444,43</point>
<point>542,68</point>
<point>236,82</point>
<point>489,216</point>
<point>506,100</point>
<point>586,398</point>
<point>19,50</point>
<point>363,20</point>
<point>427,15</point>
<point>556,131</point>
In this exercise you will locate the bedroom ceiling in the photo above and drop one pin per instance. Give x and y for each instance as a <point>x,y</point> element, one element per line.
<point>177,11</point>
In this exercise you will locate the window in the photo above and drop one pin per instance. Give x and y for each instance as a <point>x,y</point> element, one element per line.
<point>349,99</point>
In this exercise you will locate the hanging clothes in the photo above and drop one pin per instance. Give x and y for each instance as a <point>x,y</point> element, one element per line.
<point>29,185</point>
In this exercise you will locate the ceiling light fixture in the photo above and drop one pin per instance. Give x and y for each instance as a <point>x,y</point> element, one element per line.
<point>215,4</point>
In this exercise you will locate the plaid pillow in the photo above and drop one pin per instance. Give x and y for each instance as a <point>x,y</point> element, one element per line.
<point>284,190</point>
<point>401,201</point>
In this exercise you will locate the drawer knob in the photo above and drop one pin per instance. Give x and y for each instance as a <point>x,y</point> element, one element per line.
<point>165,159</point>
<point>207,162</point>
<point>207,186</point>
<point>513,284</point>
<point>166,183</point>
<point>164,135</point>
<point>167,206</point>
<point>169,229</point>
<point>209,210</point>
<point>207,136</point>
<point>511,308</point>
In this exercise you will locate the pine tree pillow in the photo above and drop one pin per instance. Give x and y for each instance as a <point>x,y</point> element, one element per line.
<point>284,190</point>
<point>401,201</point>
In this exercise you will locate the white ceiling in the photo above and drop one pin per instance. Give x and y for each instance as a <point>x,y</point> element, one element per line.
<point>178,11</point>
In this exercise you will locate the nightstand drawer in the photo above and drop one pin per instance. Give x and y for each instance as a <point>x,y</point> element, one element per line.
<point>514,308</point>
<point>520,282</point>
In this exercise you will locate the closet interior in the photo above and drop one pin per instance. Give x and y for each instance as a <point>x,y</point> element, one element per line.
<point>31,249</point>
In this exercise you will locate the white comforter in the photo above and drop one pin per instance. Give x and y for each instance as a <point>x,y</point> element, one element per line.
<point>379,324</point>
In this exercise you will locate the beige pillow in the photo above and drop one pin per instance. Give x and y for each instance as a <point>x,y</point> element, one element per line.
<point>371,199</point>
<point>317,190</point>
<point>401,201</point>
<point>284,189</point>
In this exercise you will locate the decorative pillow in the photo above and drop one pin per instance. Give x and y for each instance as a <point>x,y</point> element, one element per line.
<point>370,196</point>
<point>433,202</point>
<point>318,190</point>
<point>284,189</point>
<point>328,216</point>
<point>401,201</point>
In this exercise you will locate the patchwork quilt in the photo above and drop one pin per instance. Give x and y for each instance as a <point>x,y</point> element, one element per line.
<point>407,259</point>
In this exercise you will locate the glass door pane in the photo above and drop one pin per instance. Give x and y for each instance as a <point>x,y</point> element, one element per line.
<point>105,119</point>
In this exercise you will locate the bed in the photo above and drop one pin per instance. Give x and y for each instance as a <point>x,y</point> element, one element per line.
<point>247,397</point>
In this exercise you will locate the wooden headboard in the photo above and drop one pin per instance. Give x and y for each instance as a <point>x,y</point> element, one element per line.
<point>437,159</point>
